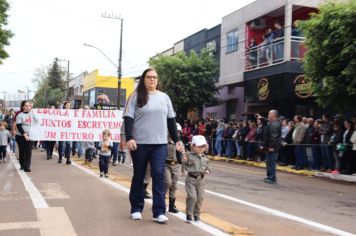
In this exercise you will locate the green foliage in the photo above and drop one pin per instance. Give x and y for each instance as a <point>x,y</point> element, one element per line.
<point>55,76</point>
<point>189,80</point>
<point>46,98</point>
<point>51,87</point>
<point>330,62</point>
<point>5,34</point>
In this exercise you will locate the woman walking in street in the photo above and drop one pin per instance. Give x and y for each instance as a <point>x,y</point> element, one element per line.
<point>64,147</point>
<point>23,124</point>
<point>9,119</point>
<point>148,114</point>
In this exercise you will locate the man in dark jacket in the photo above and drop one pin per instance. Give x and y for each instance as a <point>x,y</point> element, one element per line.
<point>271,145</point>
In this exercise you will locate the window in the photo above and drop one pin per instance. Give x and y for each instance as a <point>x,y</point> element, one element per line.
<point>92,98</point>
<point>232,41</point>
<point>122,97</point>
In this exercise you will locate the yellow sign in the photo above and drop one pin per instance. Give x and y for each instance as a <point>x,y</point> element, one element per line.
<point>263,89</point>
<point>303,87</point>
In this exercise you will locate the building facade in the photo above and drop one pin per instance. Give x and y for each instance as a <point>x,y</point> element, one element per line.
<point>258,73</point>
<point>75,92</point>
<point>13,100</point>
<point>99,89</point>
<point>208,39</point>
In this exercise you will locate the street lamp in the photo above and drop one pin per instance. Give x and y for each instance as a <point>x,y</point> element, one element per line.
<point>91,46</point>
<point>118,73</point>
<point>119,68</point>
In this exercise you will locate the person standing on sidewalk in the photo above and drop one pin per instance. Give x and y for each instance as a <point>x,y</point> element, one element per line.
<point>325,132</point>
<point>23,124</point>
<point>271,145</point>
<point>299,150</point>
<point>147,115</point>
<point>353,152</point>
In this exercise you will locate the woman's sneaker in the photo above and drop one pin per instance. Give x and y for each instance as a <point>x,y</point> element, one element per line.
<point>162,219</point>
<point>136,216</point>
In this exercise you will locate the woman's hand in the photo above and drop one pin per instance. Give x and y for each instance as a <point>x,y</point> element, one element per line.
<point>131,145</point>
<point>180,146</point>
<point>26,137</point>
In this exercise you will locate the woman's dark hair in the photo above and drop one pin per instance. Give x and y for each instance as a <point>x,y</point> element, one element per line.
<point>23,104</point>
<point>142,94</point>
<point>299,117</point>
<point>64,104</point>
<point>350,123</point>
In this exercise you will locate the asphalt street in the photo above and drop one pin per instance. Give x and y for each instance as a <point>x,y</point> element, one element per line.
<point>57,199</point>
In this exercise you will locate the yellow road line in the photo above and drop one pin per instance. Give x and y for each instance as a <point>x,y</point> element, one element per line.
<point>239,169</point>
<point>206,217</point>
<point>219,223</point>
<point>261,165</point>
<point>19,225</point>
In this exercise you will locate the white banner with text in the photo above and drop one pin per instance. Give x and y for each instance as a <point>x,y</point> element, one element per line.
<point>74,125</point>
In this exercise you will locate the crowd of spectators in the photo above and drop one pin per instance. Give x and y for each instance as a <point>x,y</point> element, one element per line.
<point>325,144</point>
<point>271,47</point>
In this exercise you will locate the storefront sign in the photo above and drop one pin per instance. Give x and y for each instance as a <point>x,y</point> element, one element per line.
<point>263,89</point>
<point>303,87</point>
<point>74,125</point>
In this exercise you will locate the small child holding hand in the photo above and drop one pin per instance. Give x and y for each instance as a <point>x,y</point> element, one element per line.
<point>197,165</point>
<point>105,146</point>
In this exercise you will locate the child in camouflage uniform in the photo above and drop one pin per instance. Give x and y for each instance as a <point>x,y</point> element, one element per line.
<point>197,166</point>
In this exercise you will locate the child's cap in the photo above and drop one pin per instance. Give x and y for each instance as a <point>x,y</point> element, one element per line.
<point>106,131</point>
<point>179,127</point>
<point>198,140</point>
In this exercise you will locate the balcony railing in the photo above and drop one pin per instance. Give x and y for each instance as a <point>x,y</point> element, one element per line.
<point>268,54</point>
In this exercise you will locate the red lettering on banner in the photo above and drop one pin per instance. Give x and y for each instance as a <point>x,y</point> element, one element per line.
<point>76,136</point>
<point>56,112</point>
<point>56,123</point>
<point>115,137</point>
<point>99,125</point>
<point>50,134</point>
<point>98,114</point>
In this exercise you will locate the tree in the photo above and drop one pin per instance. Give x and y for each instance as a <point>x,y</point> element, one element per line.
<point>189,80</point>
<point>330,62</point>
<point>5,34</point>
<point>51,87</point>
<point>55,76</point>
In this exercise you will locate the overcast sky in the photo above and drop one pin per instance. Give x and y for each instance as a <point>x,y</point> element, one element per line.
<point>45,29</point>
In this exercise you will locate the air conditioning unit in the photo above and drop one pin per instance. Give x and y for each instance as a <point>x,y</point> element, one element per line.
<point>259,23</point>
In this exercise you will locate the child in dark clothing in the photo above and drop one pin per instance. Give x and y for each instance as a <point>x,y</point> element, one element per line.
<point>105,146</point>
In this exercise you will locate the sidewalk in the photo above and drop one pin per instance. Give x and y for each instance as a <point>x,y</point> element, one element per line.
<point>347,178</point>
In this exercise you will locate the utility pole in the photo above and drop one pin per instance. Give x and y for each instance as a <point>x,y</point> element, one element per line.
<point>67,79</point>
<point>4,92</point>
<point>119,68</point>
<point>28,93</point>
<point>45,96</point>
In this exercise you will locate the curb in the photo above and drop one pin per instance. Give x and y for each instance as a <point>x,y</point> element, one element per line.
<point>347,178</point>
